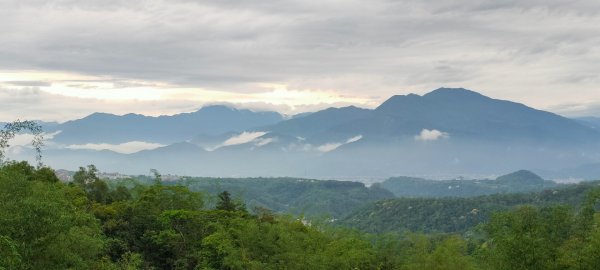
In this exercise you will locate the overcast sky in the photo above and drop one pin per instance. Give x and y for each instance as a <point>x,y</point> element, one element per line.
<point>64,59</point>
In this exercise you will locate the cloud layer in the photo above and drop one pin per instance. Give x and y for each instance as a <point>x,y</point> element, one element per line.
<point>332,146</point>
<point>431,135</point>
<point>123,148</point>
<point>242,138</point>
<point>540,52</point>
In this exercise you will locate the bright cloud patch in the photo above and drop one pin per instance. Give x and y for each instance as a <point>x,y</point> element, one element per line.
<point>244,137</point>
<point>262,142</point>
<point>329,147</point>
<point>354,139</point>
<point>123,148</point>
<point>431,135</point>
<point>26,138</point>
<point>332,146</point>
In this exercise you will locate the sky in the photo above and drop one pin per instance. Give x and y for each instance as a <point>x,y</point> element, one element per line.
<point>64,59</point>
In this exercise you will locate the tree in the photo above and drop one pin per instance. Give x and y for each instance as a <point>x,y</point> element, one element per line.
<point>85,176</point>
<point>436,253</point>
<point>11,129</point>
<point>22,168</point>
<point>46,225</point>
<point>528,238</point>
<point>96,189</point>
<point>157,176</point>
<point>226,203</point>
<point>582,249</point>
<point>45,174</point>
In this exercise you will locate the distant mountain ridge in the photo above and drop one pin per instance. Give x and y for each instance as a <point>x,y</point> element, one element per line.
<point>449,131</point>
<point>520,181</point>
<point>458,112</point>
<point>210,120</point>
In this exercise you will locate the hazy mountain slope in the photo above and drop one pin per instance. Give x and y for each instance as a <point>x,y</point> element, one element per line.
<point>521,181</point>
<point>445,132</point>
<point>464,114</point>
<point>593,122</point>
<point>586,171</point>
<point>319,122</point>
<point>211,120</point>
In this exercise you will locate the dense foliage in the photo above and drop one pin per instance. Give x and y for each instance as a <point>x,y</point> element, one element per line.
<point>454,214</point>
<point>94,224</point>
<point>306,197</point>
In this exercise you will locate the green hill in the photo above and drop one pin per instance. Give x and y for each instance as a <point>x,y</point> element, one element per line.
<point>449,215</point>
<point>520,181</point>
<point>293,195</point>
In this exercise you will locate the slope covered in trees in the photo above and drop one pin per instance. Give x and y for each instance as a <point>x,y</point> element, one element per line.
<point>454,214</point>
<point>91,224</point>
<point>86,224</point>
<point>294,196</point>
<point>520,181</point>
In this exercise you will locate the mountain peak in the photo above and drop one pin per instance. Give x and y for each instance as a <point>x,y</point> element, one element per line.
<point>99,115</point>
<point>442,94</point>
<point>522,176</point>
<point>218,108</point>
<point>399,101</point>
<point>445,92</point>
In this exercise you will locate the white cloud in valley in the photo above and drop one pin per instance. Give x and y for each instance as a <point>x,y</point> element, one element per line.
<point>264,141</point>
<point>123,148</point>
<point>242,138</point>
<point>332,146</point>
<point>25,139</point>
<point>431,135</point>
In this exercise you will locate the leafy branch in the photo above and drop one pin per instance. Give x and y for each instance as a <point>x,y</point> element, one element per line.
<point>12,129</point>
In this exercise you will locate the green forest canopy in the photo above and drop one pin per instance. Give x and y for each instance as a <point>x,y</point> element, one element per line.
<point>89,224</point>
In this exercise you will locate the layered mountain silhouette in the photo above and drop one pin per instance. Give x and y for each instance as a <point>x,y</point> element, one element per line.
<point>461,113</point>
<point>449,131</point>
<point>211,120</point>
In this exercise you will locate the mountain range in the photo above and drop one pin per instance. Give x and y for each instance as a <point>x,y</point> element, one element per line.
<point>210,120</point>
<point>449,131</point>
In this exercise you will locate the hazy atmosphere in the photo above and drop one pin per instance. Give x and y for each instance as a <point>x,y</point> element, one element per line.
<point>62,60</point>
<point>299,134</point>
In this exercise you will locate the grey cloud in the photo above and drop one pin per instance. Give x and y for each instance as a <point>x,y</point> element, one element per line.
<point>578,109</point>
<point>28,83</point>
<point>31,103</point>
<point>380,47</point>
<point>34,104</point>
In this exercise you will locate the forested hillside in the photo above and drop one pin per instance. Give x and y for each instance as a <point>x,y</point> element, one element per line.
<point>91,224</point>
<point>307,197</point>
<point>520,181</point>
<point>454,214</point>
